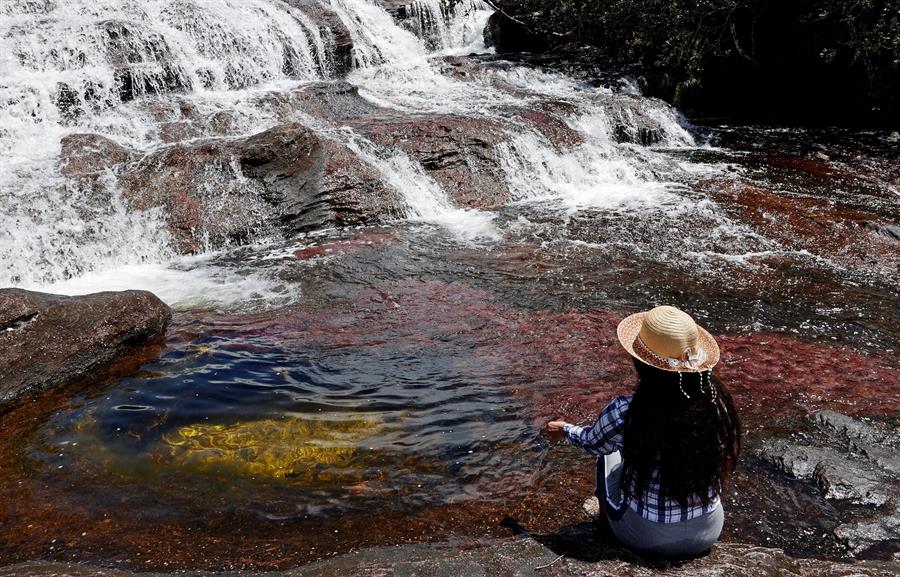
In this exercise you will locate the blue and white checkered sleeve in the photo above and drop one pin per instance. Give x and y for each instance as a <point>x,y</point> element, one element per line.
<point>605,435</point>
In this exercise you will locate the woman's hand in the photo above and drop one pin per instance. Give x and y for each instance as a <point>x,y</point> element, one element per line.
<point>555,430</point>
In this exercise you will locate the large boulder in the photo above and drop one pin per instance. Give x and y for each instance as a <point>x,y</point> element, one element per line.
<point>49,341</point>
<point>216,191</point>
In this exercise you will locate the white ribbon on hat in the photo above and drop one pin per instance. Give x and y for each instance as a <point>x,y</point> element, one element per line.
<point>693,361</point>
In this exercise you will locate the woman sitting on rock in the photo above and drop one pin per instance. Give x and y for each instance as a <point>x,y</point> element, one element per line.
<point>665,453</point>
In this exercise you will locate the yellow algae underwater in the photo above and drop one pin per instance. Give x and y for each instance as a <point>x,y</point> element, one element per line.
<point>291,448</point>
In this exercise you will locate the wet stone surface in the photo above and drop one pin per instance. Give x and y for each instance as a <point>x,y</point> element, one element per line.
<point>164,459</point>
<point>576,550</point>
<point>49,341</point>
<point>852,462</point>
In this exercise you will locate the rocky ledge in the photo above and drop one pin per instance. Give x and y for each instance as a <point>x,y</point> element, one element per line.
<point>853,463</point>
<point>573,554</point>
<point>48,341</point>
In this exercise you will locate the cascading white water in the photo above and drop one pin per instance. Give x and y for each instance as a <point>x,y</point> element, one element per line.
<point>123,68</point>
<point>426,201</point>
<point>90,66</point>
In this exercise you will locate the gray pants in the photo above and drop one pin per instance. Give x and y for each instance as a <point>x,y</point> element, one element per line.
<point>686,538</point>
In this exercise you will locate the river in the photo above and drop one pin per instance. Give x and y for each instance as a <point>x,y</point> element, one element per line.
<point>383,380</point>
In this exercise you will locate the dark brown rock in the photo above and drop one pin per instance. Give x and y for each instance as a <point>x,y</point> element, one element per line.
<point>354,191</point>
<point>421,19</point>
<point>337,101</point>
<point>47,341</point>
<point>330,25</point>
<point>218,190</point>
<point>458,152</point>
<point>632,119</point>
<point>143,61</point>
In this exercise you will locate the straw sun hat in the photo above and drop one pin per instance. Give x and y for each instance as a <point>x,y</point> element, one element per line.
<point>668,339</point>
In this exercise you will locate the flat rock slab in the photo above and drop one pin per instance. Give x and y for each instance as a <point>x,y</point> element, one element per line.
<point>48,340</point>
<point>514,558</point>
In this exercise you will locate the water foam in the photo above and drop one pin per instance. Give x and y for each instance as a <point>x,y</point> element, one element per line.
<point>188,283</point>
<point>123,69</point>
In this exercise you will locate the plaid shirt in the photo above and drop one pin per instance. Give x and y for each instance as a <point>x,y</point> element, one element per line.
<point>605,436</point>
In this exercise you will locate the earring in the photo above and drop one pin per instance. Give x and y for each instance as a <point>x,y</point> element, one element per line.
<point>687,396</point>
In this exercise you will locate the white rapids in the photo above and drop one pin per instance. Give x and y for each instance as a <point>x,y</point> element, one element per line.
<point>110,66</point>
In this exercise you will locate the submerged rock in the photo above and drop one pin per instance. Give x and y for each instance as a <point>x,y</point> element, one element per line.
<point>849,460</point>
<point>85,154</point>
<point>291,448</point>
<point>353,191</point>
<point>340,50</point>
<point>635,119</point>
<point>48,341</point>
<point>142,61</point>
<point>335,101</point>
<point>836,231</point>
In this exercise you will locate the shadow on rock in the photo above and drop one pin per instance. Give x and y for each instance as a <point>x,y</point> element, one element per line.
<point>592,543</point>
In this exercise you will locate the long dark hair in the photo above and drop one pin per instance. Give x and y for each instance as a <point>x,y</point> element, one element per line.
<point>692,436</point>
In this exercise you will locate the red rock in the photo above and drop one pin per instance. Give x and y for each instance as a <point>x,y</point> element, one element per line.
<point>49,341</point>
<point>217,191</point>
<point>88,154</point>
<point>348,246</point>
<point>457,151</point>
<point>825,228</point>
<point>554,129</point>
<point>353,191</point>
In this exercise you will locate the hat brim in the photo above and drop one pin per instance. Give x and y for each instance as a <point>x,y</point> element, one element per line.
<point>630,328</point>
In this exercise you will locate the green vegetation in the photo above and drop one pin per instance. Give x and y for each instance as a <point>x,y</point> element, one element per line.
<point>806,59</point>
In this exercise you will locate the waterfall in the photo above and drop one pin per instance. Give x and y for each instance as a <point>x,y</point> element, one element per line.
<point>102,66</point>
<point>138,72</point>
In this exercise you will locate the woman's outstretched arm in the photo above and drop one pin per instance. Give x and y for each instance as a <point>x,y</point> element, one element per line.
<point>604,436</point>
